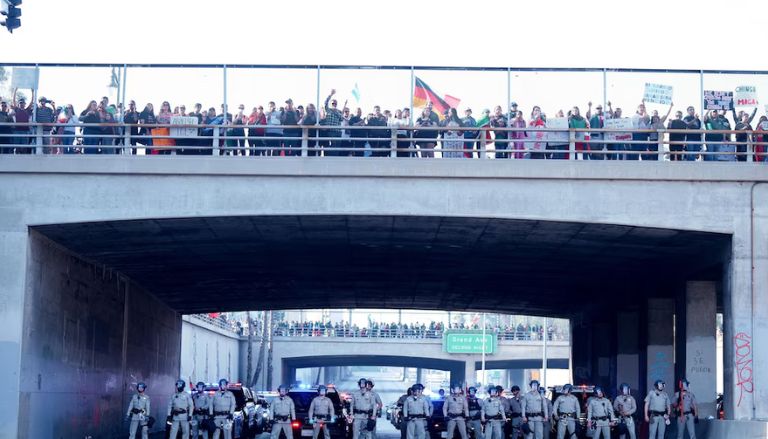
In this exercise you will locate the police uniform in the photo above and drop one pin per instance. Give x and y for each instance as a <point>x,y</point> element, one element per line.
<point>138,411</point>
<point>688,420</point>
<point>282,411</point>
<point>658,406</point>
<point>535,410</point>
<point>493,415</point>
<point>222,409</point>
<point>416,410</point>
<point>402,424</point>
<point>379,405</point>
<point>568,411</point>
<point>321,412</point>
<point>202,408</point>
<point>456,410</point>
<point>627,405</point>
<point>474,407</point>
<point>600,412</point>
<point>363,408</point>
<point>180,410</point>
<point>547,425</point>
<point>516,414</point>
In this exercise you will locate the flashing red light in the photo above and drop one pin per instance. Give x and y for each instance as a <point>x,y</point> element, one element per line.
<point>295,424</point>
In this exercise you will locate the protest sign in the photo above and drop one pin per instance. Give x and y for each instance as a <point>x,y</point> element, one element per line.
<point>559,137</point>
<point>24,78</point>
<point>657,93</point>
<point>183,131</point>
<point>746,96</point>
<point>617,124</point>
<point>718,100</point>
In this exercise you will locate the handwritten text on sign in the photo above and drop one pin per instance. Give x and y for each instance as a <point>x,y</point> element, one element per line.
<point>742,350</point>
<point>746,96</point>
<point>614,124</point>
<point>718,100</point>
<point>183,131</point>
<point>658,93</point>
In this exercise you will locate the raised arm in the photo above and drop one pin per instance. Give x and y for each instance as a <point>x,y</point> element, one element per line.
<point>669,111</point>
<point>754,112</point>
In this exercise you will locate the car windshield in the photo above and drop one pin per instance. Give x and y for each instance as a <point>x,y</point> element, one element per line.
<point>437,406</point>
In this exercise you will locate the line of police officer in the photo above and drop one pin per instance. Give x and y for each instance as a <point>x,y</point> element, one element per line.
<point>529,415</point>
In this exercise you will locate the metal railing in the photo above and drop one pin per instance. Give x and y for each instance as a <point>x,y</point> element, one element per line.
<point>385,141</point>
<point>226,325</point>
<point>407,333</point>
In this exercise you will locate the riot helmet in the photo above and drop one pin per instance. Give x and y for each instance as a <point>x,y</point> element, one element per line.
<point>624,389</point>
<point>362,383</point>
<point>567,389</point>
<point>223,383</point>
<point>369,384</point>
<point>200,386</point>
<point>180,384</point>
<point>141,387</point>
<point>472,390</point>
<point>492,390</point>
<point>322,390</point>
<point>515,389</point>
<point>684,384</point>
<point>456,388</point>
<point>659,385</point>
<point>282,389</point>
<point>534,385</point>
<point>599,392</point>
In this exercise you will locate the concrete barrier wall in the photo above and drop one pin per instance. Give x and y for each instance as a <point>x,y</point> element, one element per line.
<point>89,336</point>
<point>209,353</point>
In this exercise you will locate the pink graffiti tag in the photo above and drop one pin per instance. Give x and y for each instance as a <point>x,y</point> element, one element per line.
<point>742,350</point>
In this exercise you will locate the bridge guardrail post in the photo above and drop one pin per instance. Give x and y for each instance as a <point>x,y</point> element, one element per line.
<point>215,146</point>
<point>393,143</point>
<point>127,141</point>
<point>304,142</point>
<point>483,145</point>
<point>38,139</point>
<point>750,149</point>
<point>571,144</point>
<point>660,144</point>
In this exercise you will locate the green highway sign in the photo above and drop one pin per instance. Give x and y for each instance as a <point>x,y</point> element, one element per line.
<point>469,342</point>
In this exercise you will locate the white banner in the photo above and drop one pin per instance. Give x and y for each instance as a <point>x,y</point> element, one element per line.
<point>617,124</point>
<point>746,96</point>
<point>24,78</point>
<point>559,137</point>
<point>183,131</point>
<point>658,93</point>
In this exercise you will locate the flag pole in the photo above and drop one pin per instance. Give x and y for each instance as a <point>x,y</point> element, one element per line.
<point>411,121</point>
<point>482,366</point>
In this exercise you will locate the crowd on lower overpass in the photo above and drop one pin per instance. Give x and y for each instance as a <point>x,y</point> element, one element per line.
<point>104,128</point>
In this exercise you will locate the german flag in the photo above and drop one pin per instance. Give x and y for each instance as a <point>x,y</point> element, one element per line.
<point>422,94</point>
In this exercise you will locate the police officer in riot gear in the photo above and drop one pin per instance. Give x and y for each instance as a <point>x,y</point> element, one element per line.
<point>282,411</point>
<point>566,412</point>
<point>492,414</point>
<point>625,406</point>
<point>138,412</point>
<point>474,405</point>
<point>657,411</point>
<point>547,425</point>
<point>180,409</point>
<point>223,409</point>
<point>515,411</point>
<point>362,409</point>
<point>456,410</point>
<point>600,415</point>
<point>321,412</point>
<point>379,403</point>
<point>416,410</point>
<point>534,411</point>
<point>690,412</point>
<point>202,408</point>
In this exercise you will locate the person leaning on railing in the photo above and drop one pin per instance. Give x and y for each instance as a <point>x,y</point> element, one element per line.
<point>743,123</point>
<point>716,121</point>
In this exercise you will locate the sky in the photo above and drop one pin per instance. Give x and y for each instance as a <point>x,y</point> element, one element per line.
<point>599,33</point>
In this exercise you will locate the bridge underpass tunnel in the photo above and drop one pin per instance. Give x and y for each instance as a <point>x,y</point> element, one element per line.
<point>104,300</point>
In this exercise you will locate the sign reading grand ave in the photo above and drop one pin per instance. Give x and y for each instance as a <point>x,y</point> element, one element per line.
<point>469,342</point>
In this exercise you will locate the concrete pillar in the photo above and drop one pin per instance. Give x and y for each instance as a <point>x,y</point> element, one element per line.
<point>581,353</point>
<point>660,354</point>
<point>628,349</point>
<point>700,344</point>
<point>419,374</point>
<point>13,253</point>
<point>760,301</point>
<point>470,372</point>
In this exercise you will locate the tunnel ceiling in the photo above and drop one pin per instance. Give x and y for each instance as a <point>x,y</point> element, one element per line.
<point>290,262</point>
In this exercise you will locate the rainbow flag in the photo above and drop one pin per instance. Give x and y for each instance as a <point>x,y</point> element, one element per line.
<point>422,94</point>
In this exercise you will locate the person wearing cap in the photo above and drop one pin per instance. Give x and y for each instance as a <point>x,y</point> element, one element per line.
<point>657,411</point>
<point>515,411</point>
<point>566,411</point>
<point>223,409</point>
<point>6,131</point>
<point>534,411</point>
<point>470,136</point>
<point>400,422</point>
<point>333,118</point>
<point>320,413</point>
<point>600,415</point>
<point>416,410</point>
<point>202,403</point>
<point>282,411</point>
<point>180,408</point>
<point>456,410</point>
<point>292,141</point>
<point>492,414</point>
<point>45,115</point>
<point>361,409</point>
<point>687,410</point>
<point>138,412</point>
<point>625,406</point>
<point>547,425</point>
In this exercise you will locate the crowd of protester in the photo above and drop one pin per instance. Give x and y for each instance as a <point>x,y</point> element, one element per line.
<point>431,330</point>
<point>104,128</point>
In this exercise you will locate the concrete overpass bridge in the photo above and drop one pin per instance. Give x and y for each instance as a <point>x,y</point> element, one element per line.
<point>102,255</point>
